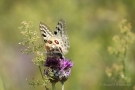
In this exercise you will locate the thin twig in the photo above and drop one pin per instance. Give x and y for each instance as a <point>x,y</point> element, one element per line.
<point>41,72</point>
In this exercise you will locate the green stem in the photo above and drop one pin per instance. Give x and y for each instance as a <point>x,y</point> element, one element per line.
<point>53,86</point>
<point>124,60</point>
<point>62,85</point>
<point>41,72</point>
<point>124,71</point>
<point>42,76</point>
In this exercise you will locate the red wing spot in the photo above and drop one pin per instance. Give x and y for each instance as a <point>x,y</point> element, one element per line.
<point>49,41</point>
<point>56,41</point>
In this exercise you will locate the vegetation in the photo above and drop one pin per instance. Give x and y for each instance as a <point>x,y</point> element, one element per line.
<point>91,25</point>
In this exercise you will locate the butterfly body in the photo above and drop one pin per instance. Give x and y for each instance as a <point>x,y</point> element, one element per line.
<point>56,44</point>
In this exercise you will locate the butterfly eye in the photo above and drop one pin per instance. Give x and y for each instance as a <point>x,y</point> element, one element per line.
<point>56,41</point>
<point>50,42</point>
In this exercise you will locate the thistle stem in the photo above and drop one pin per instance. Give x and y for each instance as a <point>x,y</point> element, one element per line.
<point>53,86</point>
<point>62,85</point>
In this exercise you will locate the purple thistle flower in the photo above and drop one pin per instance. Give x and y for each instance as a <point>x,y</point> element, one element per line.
<point>52,62</point>
<point>60,68</point>
<point>65,64</point>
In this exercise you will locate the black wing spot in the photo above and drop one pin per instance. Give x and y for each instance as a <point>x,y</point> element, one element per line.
<point>60,25</point>
<point>58,28</point>
<point>45,41</point>
<point>44,31</point>
<point>43,35</point>
<point>55,32</point>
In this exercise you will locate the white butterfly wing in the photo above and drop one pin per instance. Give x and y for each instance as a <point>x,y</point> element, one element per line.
<point>45,31</point>
<point>60,32</point>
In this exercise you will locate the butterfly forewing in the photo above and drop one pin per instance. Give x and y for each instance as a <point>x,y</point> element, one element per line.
<point>60,32</point>
<point>45,31</point>
<point>60,28</point>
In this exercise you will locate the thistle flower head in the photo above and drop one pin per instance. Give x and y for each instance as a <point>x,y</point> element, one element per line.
<point>52,62</point>
<point>60,68</point>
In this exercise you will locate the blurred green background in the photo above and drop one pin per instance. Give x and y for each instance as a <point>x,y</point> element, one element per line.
<point>91,24</point>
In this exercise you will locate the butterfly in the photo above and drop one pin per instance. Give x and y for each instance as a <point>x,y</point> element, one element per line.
<point>57,43</point>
